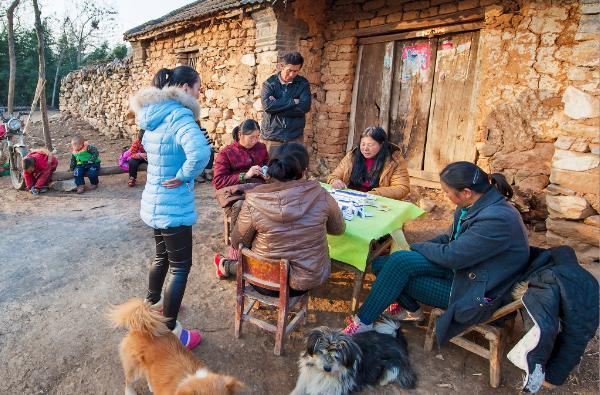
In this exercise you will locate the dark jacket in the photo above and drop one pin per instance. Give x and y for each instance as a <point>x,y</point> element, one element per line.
<point>283,120</point>
<point>235,159</point>
<point>290,220</point>
<point>562,301</point>
<point>489,253</point>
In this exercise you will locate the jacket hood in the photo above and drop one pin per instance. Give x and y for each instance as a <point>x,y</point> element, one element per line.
<point>285,201</point>
<point>152,105</point>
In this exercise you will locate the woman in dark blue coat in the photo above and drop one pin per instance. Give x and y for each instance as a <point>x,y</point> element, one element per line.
<point>466,271</point>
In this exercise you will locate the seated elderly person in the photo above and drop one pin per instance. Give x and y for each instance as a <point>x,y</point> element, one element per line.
<point>467,272</point>
<point>289,218</point>
<point>238,168</point>
<point>375,166</point>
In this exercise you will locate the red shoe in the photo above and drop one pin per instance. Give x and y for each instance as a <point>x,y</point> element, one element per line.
<point>220,269</point>
<point>131,182</point>
<point>355,326</point>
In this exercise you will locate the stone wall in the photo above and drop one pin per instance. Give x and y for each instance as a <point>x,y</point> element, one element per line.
<point>100,96</point>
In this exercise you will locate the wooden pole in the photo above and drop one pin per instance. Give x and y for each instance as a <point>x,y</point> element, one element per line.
<point>42,75</point>
<point>10,14</point>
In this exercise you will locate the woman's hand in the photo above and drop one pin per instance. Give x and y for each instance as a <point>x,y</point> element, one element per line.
<point>144,156</point>
<point>255,171</point>
<point>338,184</point>
<point>172,183</point>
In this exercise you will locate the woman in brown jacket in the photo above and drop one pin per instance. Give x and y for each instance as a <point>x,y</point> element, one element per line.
<point>289,218</point>
<point>375,166</point>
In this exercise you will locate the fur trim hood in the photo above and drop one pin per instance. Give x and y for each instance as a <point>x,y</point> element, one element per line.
<point>151,95</point>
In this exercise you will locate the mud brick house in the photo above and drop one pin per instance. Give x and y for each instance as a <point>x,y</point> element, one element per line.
<point>511,85</point>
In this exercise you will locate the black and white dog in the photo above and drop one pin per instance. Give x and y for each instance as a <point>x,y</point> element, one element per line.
<point>338,364</point>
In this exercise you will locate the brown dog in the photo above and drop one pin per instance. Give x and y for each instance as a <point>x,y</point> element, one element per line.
<point>152,351</point>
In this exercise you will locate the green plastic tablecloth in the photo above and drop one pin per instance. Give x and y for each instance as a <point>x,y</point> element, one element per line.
<point>352,247</point>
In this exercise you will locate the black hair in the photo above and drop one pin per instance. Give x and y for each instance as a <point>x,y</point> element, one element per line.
<point>140,134</point>
<point>288,162</point>
<point>28,163</point>
<point>359,173</point>
<point>292,58</point>
<point>461,175</point>
<point>178,76</point>
<point>249,126</point>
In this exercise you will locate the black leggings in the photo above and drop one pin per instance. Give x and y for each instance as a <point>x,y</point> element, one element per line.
<point>134,164</point>
<point>173,255</point>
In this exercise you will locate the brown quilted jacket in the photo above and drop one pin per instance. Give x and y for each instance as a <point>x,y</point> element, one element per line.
<point>290,220</point>
<point>394,182</point>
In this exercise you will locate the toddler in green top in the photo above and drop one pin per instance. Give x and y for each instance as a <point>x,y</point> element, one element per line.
<point>85,161</point>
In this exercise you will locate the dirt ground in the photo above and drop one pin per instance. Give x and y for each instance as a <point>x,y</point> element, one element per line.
<point>64,258</point>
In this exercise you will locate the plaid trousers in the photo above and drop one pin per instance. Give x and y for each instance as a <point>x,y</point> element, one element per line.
<point>406,277</point>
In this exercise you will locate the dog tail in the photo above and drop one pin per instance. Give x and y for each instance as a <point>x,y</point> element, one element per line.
<point>137,315</point>
<point>387,326</point>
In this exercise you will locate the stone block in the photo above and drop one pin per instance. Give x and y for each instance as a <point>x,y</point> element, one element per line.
<point>569,207</point>
<point>373,5</point>
<point>578,181</point>
<point>248,59</point>
<point>564,142</point>
<point>416,5</point>
<point>554,190</point>
<point>579,231</point>
<point>574,161</point>
<point>593,220</point>
<point>580,105</point>
<point>537,159</point>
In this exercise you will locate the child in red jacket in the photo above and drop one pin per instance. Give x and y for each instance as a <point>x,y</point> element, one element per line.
<point>138,156</point>
<point>38,167</point>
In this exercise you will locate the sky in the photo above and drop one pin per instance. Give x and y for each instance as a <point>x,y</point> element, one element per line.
<point>131,12</point>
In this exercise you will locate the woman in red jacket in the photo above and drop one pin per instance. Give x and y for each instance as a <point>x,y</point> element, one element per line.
<point>238,163</point>
<point>241,161</point>
<point>38,167</point>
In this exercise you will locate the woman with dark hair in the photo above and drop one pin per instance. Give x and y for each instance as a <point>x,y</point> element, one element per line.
<point>177,152</point>
<point>289,218</point>
<point>241,161</point>
<point>478,260</point>
<point>238,168</point>
<point>375,166</point>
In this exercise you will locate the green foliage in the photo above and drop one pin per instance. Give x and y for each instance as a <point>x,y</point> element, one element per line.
<point>57,48</point>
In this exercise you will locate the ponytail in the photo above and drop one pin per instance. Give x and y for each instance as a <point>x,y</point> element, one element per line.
<point>499,181</point>
<point>235,133</point>
<point>178,76</point>
<point>162,77</point>
<point>462,175</point>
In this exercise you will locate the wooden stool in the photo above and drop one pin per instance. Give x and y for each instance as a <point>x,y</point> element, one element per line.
<point>270,274</point>
<point>496,336</point>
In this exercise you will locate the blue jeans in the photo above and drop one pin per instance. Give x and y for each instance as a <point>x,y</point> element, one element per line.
<point>91,170</point>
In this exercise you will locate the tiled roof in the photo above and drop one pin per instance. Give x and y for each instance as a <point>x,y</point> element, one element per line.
<point>188,12</point>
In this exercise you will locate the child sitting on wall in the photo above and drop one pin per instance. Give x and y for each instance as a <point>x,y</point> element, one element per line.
<point>85,161</point>
<point>38,167</point>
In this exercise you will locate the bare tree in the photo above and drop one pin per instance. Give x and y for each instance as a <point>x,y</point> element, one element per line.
<point>63,44</point>
<point>85,24</point>
<point>42,75</point>
<point>10,15</point>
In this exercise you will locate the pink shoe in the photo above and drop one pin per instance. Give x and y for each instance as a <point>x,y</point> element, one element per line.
<point>93,186</point>
<point>356,326</point>
<point>397,313</point>
<point>190,338</point>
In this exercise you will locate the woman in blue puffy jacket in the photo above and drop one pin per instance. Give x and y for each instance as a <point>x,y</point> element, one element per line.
<point>177,152</point>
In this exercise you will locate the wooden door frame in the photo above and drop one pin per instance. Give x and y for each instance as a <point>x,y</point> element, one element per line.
<point>417,177</point>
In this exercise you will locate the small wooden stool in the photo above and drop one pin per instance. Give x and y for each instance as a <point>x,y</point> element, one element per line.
<point>497,336</point>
